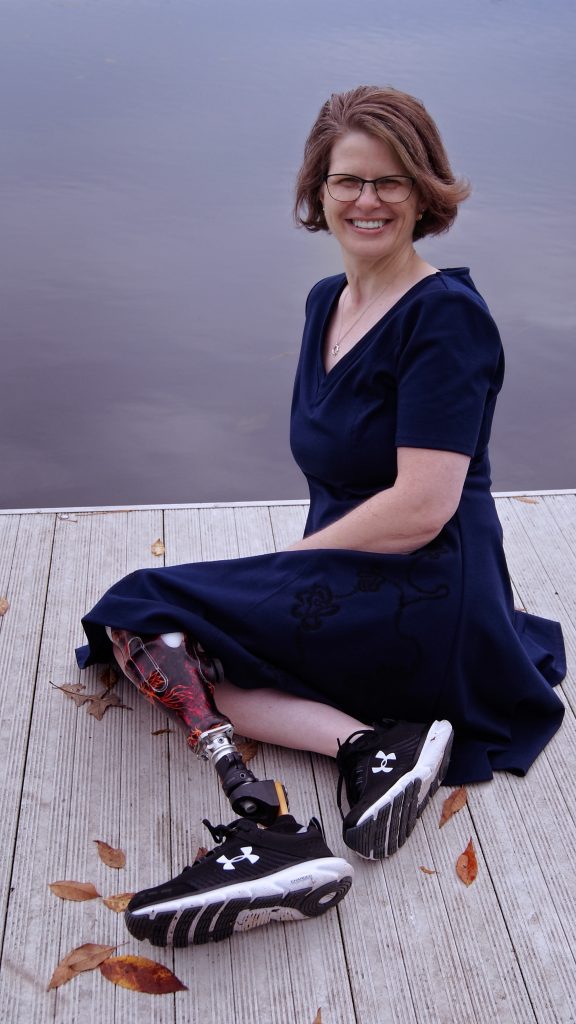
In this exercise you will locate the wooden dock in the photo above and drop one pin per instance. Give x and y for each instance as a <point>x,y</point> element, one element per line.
<point>404,947</point>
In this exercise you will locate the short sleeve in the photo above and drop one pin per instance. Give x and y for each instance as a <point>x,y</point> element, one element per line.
<point>450,370</point>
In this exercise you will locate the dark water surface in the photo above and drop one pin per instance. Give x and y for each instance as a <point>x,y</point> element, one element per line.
<point>152,285</point>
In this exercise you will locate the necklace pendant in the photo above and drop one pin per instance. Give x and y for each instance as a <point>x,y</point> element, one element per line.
<point>335,349</point>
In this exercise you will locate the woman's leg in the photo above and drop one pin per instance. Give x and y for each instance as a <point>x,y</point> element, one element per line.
<point>285,720</point>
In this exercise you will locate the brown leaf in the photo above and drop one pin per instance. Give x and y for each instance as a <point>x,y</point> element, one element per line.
<point>99,705</point>
<point>112,858</point>
<point>427,871</point>
<point>200,852</point>
<point>318,1017</point>
<point>141,975</point>
<point>523,497</point>
<point>455,802</point>
<point>77,891</point>
<point>119,902</point>
<point>467,865</point>
<point>4,605</point>
<point>158,548</point>
<point>84,958</point>
<point>248,749</point>
<point>109,677</point>
<point>74,691</point>
<point>160,732</point>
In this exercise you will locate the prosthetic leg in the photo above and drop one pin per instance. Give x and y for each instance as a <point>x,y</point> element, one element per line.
<point>175,672</point>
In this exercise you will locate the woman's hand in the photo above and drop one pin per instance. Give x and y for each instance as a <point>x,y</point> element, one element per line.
<point>406,516</point>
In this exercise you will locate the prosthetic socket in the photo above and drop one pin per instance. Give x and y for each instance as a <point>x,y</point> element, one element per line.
<point>174,672</point>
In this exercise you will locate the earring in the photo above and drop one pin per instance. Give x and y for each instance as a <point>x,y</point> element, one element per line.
<point>419,217</point>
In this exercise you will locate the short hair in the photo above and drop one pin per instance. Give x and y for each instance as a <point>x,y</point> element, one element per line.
<point>405,125</point>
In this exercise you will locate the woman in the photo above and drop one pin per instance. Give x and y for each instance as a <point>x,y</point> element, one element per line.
<point>396,607</point>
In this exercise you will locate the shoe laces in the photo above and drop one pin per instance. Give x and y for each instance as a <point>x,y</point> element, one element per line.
<point>353,763</point>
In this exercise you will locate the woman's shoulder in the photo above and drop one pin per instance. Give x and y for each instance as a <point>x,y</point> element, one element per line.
<point>451,286</point>
<point>325,290</point>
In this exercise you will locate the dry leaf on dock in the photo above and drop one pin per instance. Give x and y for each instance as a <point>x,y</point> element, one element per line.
<point>77,891</point>
<point>427,871</point>
<point>141,975</point>
<point>467,865</point>
<point>453,803</point>
<point>4,605</point>
<point>119,902</point>
<point>84,958</point>
<point>109,677</point>
<point>75,692</point>
<point>112,857</point>
<point>247,748</point>
<point>100,704</point>
<point>318,1017</point>
<point>158,548</point>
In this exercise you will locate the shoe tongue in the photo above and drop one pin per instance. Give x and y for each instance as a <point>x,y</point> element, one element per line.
<point>285,823</point>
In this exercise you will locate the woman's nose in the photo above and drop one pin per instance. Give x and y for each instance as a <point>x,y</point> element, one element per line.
<point>368,196</point>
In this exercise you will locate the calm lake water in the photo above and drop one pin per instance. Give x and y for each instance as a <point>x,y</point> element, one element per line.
<point>152,284</point>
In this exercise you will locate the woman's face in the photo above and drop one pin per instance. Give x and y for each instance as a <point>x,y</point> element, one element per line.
<point>369,226</point>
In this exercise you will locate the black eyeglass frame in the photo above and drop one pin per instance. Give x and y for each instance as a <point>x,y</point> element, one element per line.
<point>371,181</point>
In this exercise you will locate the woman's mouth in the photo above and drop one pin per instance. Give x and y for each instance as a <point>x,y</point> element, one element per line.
<point>369,225</point>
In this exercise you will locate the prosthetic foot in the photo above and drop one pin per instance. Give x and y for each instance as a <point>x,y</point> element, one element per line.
<point>175,672</point>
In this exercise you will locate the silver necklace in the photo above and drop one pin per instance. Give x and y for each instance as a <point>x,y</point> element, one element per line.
<point>336,348</point>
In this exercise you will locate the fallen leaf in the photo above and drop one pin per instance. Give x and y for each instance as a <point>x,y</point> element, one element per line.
<point>99,705</point>
<point>112,858</point>
<point>318,1017</point>
<point>4,605</point>
<point>109,677</point>
<point>119,902</point>
<point>467,865</point>
<point>160,732</point>
<point>77,891</point>
<point>529,501</point>
<point>455,802</point>
<point>200,852</point>
<point>158,548</point>
<point>84,958</point>
<point>427,871</point>
<point>141,975</point>
<point>248,749</point>
<point>74,691</point>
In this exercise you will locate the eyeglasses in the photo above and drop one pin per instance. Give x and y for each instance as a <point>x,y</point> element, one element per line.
<point>346,188</point>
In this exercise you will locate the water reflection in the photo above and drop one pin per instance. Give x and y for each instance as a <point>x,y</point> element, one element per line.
<point>152,284</point>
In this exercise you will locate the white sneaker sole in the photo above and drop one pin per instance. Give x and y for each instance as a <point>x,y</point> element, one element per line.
<point>303,890</point>
<point>386,824</point>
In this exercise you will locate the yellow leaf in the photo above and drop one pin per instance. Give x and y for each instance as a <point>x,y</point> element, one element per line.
<point>427,871</point>
<point>467,865</point>
<point>318,1017</point>
<point>112,858</point>
<point>4,605</point>
<point>141,975</point>
<point>77,891</point>
<point>523,497</point>
<point>118,903</point>
<point>455,802</point>
<point>248,749</point>
<point>84,958</point>
<point>158,548</point>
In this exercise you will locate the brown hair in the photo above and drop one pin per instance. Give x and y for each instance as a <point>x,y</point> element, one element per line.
<point>404,124</point>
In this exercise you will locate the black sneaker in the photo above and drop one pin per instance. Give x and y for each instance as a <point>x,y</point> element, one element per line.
<point>282,873</point>
<point>390,773</point>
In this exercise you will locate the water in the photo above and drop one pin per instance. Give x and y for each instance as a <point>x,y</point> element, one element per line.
<point>152,284</point>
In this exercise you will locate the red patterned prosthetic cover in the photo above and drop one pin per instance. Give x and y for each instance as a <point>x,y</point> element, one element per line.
<point>179,679</point>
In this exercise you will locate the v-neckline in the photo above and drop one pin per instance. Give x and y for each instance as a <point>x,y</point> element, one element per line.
<point>324,376</point>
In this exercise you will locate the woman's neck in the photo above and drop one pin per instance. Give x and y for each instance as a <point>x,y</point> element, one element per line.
<point>366,278</point>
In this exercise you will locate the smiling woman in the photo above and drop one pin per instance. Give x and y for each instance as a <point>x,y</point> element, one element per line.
<point>387,636</point>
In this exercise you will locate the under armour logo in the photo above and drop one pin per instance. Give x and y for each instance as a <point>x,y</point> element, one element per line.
<point>384,762</point>
<point>246,855</point>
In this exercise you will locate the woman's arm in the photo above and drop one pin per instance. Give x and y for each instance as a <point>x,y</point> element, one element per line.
<point>408,515</point>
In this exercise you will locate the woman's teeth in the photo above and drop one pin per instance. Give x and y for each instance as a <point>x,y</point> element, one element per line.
<point>369,223</point>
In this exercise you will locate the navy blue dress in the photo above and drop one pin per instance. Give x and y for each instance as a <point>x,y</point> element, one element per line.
<point>433,634</point>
